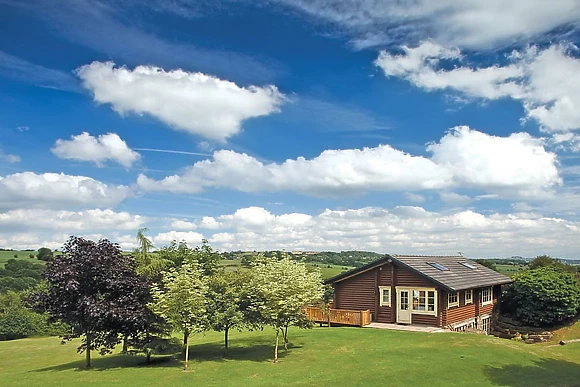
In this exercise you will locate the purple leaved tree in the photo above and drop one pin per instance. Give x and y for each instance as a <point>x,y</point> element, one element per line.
<point>95,289</point>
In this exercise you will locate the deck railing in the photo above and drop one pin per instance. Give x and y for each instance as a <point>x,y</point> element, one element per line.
<point>338,316</point>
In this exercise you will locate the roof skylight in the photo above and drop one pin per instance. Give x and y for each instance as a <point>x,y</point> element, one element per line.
<point>438,266</point>
<point>468,265</point>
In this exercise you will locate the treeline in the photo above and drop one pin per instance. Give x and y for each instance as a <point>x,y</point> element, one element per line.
<point>95,292</point>
<point>343,258</point>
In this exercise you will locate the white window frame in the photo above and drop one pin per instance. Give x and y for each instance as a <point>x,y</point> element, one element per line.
<point>382,301</point>
<point>485,320</point>
<point>470,300</point>
<point>452,304</point>
<point>490,301</point>
<point>426,290</point>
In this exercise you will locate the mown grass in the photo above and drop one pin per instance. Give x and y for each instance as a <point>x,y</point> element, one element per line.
<point>321,357</point>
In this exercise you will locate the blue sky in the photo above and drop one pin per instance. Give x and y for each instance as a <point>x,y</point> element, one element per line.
<point>401,127</point>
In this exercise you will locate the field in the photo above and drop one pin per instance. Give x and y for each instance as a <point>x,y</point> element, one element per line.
<point>321,357</point>
<point>508,270</point>
<point>6,255</point>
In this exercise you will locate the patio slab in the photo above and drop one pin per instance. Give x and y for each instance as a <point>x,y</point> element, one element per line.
<point>410,328</point>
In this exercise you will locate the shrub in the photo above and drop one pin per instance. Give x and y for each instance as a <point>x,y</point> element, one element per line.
<point>542,297</point>
<point>20,323</point>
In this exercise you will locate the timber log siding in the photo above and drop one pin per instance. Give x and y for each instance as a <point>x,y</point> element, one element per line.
<point>361,292</point>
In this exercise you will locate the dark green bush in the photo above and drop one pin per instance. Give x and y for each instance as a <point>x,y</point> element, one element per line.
<point>542,297</point>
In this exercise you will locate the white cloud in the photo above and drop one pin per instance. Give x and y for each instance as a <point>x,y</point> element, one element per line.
<point>497,164</point>
<point>193,102</point>
<point>463,157</point>
<point>179,224</point>
<point>334,172</point>
<point>96,149</point>
<point>32,220</point>
<point>413,197</point>
<point>8,157</point>
<point>400,230</point>
<point>550,97</point>
<point>210,223</point>
<point>466,23</point>
<point>164,238</point>
<point>454,198</point>
<point>52,190</point>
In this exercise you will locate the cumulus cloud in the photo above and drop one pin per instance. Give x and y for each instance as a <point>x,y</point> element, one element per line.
<point>333,172</point>
<point>549,97</point>
<point>164,238</point>
<point>463,157</point>
<point>179,224</point>
<point>99,149</point>
<point>476,159</point>
<point>399,230</point>
<point>193,102</point>
<point>33,220</point>
<point>52,190</point>
<point>466,23</point>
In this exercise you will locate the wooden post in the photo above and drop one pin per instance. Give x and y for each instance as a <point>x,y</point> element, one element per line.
<point>328,317</point>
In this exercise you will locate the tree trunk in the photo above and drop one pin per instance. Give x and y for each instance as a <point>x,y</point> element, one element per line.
<point>148,356</point>
<point>125,345</point>
<point>185,336</point>
<point>88,351</point>
<point>276,347</point>
<point>186,352</point>
<point>227,330</point>
<point>286,338</point>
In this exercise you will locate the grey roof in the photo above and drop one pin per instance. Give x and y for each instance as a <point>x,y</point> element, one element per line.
<point>457,277</point>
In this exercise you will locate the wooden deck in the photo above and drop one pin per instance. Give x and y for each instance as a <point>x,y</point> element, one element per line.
<point>338,316</point>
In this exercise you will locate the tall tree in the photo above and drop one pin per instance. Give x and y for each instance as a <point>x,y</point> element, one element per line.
<point>149,264</point>
<point>45,254</point>
<point>96,290</point>
<point>182,301</point>
<point>279,290</point>
<point>224,308</point>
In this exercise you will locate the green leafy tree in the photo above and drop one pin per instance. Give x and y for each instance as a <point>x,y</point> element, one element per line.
<point>45,254</point>
<point>224,308</point>
<point>542,297</point>
<point>278,292</point>
<point>181,301</point>
<point>95,289</point>
<point>547,261</point>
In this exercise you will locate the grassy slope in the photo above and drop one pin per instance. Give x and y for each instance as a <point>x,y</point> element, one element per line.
<point>322,357</point>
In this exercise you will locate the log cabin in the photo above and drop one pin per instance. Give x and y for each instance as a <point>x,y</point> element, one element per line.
<point>444,291</point>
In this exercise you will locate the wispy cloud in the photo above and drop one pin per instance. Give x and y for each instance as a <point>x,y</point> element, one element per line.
<point>8,157</point>
<point>24,71</point>
<point>109,28</point>
<point>332,116</point>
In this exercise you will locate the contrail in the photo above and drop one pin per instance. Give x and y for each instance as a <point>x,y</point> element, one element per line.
<point>172,151</point>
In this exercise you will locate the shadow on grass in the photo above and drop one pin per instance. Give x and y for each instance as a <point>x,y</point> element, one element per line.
<point>546,372</point>
<point>243,349</point>
<point>114,361</point>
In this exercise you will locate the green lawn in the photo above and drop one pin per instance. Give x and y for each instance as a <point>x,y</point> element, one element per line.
<point>318,357</point>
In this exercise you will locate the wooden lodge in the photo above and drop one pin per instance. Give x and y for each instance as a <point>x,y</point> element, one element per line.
<point>443,291</point>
